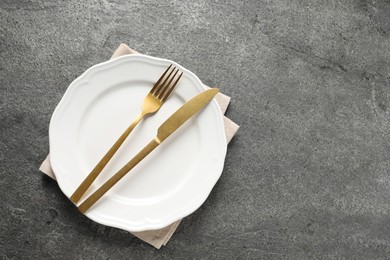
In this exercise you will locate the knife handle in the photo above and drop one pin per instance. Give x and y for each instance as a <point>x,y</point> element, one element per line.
<point>119,175</point>
<point>84,186</point>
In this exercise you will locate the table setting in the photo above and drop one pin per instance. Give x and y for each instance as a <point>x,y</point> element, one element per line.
<point>194,129</point>
<point>148,208</point>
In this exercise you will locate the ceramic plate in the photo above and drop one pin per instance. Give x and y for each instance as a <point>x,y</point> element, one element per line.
<point>169,184</point>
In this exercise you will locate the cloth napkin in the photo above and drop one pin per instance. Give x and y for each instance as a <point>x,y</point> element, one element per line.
<point>159,237</point>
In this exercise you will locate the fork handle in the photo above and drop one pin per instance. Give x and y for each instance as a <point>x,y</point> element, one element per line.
<point>119,175</point>
<point>80,191</point>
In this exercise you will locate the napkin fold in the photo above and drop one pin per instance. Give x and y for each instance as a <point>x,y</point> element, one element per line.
<point>158,237</point>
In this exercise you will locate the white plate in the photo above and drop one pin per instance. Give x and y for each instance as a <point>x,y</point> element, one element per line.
<point>169,184</point>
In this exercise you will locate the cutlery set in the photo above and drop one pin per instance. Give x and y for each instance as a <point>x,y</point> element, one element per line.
<point>151,104</point>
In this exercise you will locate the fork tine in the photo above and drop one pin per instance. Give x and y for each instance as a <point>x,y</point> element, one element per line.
<point>166,87</point>
<point>159,80</point>
<point>166,95</point>
<point>163,84</point>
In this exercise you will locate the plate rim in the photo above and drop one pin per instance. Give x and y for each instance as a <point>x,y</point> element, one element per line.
<point>146,225</point>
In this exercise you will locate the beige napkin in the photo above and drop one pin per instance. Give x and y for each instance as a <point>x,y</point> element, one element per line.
<point>159,237</point>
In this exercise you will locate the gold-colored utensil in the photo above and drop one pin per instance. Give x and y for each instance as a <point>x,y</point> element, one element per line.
<point>166,129</point>
<point>151,104</point>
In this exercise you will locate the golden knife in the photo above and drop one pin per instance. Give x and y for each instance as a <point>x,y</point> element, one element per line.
<point>177,119</point>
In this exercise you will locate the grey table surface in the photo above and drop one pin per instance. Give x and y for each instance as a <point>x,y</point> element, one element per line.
<point>307,176</point>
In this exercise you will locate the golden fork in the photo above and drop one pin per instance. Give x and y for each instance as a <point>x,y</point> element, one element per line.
<point>152,103</point>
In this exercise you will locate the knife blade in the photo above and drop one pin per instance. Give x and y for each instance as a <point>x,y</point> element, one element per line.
<point>176,120</point>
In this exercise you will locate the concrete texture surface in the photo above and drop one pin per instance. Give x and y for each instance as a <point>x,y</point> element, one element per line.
<point>306,177</point>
